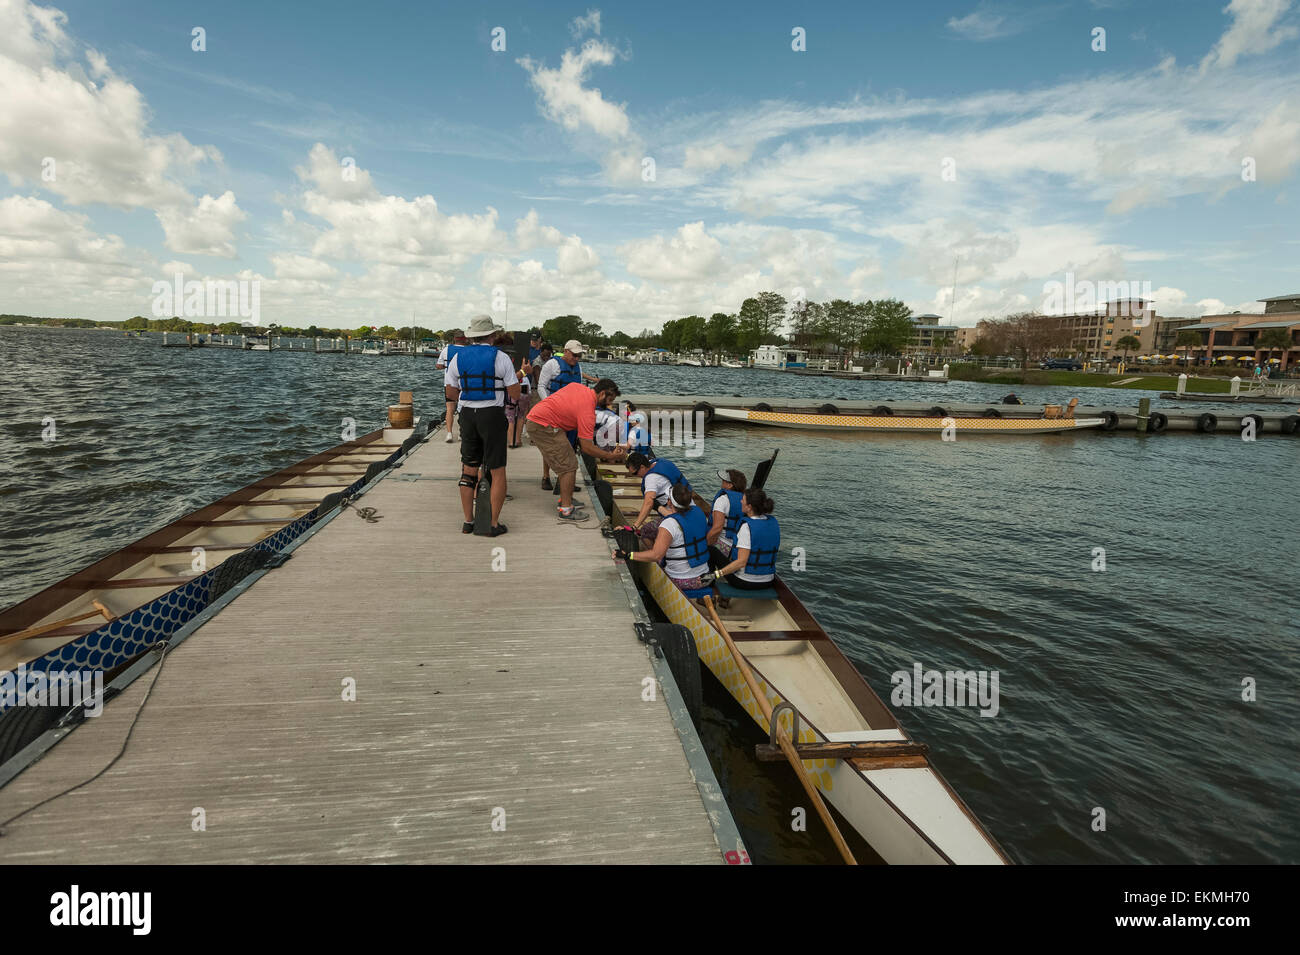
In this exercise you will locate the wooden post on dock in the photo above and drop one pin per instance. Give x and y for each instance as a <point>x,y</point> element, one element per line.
<point>1144,412</point>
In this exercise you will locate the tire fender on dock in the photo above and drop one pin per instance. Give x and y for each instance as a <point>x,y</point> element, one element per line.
<point>882,411</point>
<point>1259,422</point>
<point>1109,421</point>
<point>705,408</point>
<point>828,409</point>
<point>1290,424</point>
<point>1206,423</point>
<point>1157,422</point>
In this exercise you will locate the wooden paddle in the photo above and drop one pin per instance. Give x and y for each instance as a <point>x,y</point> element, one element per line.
<point>47,627</point>
<point>787,747</point>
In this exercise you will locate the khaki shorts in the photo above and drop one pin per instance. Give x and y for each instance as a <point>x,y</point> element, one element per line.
<point>554,445</point>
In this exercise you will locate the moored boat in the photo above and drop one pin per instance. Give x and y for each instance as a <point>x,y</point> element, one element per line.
<point>855,752</point>
<point>108,614</point>
<point>923,424</point>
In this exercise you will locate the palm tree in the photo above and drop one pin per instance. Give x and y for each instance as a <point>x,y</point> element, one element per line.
<point>1128,343</point>
<point>1188,341</point>
<point>1271,338</point>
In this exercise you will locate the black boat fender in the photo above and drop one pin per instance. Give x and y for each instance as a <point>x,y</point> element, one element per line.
<point>828,409</point>
<point>1290,424</point>
<point>1157,422</point>
<point>882,411</point>
<point>1259,422</point>
<point>990,413</point>
<point>1206,423</point>
<point>1109,421</point>
<point>938,412</point>
<point>703,407</point>
<point>761,406</point>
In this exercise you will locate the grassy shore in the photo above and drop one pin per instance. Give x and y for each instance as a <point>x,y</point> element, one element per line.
<point>1083,379</point>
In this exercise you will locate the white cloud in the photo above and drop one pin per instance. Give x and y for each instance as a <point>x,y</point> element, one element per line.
<point>207,228</point>
<point>689,255</point>
<point>589,23</point>
<point>290,266</point>
<point>1254,29</point>
<point>716,155</point>
<point>575,256</point>
<point>96,133</point>
<point>984,23</point>
<point>367,226</point>
<point>565,100</point>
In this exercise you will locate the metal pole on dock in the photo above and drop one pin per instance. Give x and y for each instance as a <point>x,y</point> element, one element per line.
<point>1144,412</point>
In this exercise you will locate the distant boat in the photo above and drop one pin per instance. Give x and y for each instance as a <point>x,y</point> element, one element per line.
<point>922,424</point>
<point>732,364</point>
<point>689,361</point>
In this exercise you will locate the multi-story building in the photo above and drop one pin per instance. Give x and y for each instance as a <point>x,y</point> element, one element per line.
<point>928,335</point>
<point>1095,334</point>
<point>1236,335</point>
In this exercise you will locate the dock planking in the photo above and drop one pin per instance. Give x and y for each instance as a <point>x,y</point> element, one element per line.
<point>476,691</point>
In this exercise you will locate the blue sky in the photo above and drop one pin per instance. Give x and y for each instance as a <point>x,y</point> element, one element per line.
<point>525,170</point>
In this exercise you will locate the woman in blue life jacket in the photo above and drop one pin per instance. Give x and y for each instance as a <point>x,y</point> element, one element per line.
<point>726,514</point>
<point>680,542</point>
<point>658,478</point>
<point>753,563</point>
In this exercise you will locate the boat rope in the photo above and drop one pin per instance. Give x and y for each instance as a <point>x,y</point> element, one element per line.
<point>164,646</point>
<point>370,515</point>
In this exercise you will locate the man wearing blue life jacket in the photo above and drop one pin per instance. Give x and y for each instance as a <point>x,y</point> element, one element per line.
<point>480,377</point>
<point>726,516</point>
<point>658,478</point>
<point>559,372</point>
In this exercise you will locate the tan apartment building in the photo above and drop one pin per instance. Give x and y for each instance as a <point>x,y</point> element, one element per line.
<point>930,336</point>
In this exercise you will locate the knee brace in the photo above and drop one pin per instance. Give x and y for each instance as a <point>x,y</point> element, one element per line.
<point>468,480</point>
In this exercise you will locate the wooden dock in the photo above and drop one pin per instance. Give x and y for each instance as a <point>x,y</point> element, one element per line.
<point>499,715</point>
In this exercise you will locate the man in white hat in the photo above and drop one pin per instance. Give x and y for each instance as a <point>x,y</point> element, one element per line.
<point>562,370</point>
<point>479,377</point>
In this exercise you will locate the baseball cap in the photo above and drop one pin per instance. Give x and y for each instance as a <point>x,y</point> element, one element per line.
<point>574,346</point>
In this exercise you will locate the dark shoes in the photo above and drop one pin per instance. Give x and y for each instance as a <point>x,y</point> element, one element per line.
<point>497,531</point>
<point>546,484</point>
<point>467,527</point>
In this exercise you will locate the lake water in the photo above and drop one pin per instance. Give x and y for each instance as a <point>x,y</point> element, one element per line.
<point>1119,689</point>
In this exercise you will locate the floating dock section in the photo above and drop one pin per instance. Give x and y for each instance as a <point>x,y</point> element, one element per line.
<point>396,692</point>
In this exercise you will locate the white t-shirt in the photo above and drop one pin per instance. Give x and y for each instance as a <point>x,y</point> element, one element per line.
<point>505,370</point>
<point>681,569</point>
<point>662,487</point>
<point>723,506</point>
<point>742,543</point>
<point>606,433</point>
<point>549,371</point>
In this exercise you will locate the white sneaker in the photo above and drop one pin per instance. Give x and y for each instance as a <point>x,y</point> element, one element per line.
<point>449,439</point>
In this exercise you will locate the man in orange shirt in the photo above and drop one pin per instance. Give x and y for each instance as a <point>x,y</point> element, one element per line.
<point>572,408</point>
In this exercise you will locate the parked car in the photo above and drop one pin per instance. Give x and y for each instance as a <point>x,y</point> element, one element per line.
<point>1064,364</point>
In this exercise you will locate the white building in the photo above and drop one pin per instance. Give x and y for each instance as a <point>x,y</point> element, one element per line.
<point>778,356</point>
